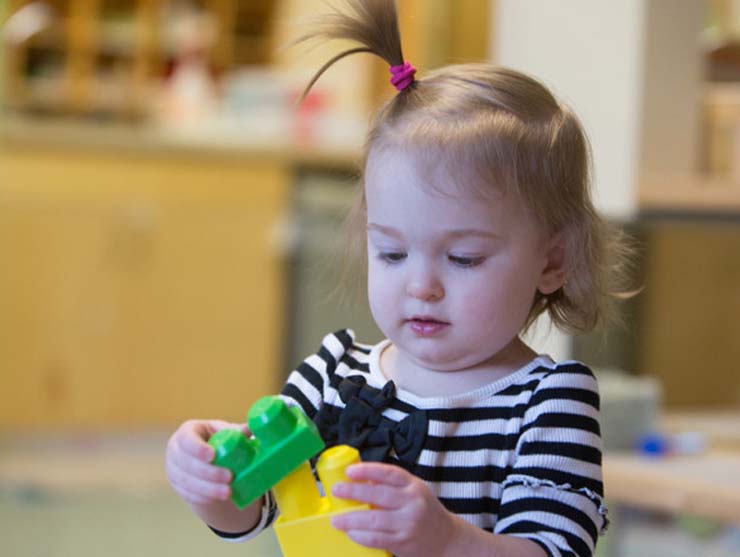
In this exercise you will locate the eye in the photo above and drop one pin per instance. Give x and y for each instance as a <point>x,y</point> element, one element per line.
<point>391,257</point>
<point>464,261</point>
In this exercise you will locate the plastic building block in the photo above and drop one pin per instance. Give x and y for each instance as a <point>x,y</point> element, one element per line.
<point>304,527</point>
<point>284,438</point>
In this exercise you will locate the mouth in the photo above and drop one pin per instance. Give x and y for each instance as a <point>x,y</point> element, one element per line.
<point>426,325</point>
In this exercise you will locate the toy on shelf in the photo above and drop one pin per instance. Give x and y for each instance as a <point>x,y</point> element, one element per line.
<point>304,526</point>
<point>284,439</point>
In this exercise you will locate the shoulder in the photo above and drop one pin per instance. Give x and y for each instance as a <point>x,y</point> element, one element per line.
<point>340,347</point>
<point>569,381</point>
<point>570,373</point>
<point>563,408</point>
<point>315,379</point>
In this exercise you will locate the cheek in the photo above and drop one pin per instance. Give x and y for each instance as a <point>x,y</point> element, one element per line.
<point>379,291</point>
<point>383,307</point>
<point>502,298</point>
<point>479,301</point>
<point>484,309</point>
<point>374,276</point>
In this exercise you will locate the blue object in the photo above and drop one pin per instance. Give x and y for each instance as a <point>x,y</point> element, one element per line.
<point>653,444</point>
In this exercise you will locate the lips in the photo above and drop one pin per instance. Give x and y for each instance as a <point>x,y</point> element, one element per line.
<point>425,325</point>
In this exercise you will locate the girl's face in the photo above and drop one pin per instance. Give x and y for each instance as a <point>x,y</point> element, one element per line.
<point>451,276</point>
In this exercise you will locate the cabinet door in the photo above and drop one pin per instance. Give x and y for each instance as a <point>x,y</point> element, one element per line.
<point>137,291</point>
<point>691,308</point>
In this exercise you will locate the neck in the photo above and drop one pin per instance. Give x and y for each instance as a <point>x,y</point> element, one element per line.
<point>410,376</point>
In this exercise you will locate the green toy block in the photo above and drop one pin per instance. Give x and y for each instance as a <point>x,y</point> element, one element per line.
<point>284,438</point>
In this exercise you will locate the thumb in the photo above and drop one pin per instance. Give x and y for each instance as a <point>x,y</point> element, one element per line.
<point>218,425</point>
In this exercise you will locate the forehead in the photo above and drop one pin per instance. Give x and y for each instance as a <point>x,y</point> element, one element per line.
<point>436,168</point>
<point>408,184</point>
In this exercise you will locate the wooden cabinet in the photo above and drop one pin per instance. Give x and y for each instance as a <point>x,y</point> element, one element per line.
<point>683,327</point>
<point>690,307</point>
<point>137,290</point>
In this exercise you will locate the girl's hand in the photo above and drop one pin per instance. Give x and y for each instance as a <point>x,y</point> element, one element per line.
<point>408,520</point>
<point>188,463</point>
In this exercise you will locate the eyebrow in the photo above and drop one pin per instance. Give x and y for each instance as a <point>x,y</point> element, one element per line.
<point>454,233</point>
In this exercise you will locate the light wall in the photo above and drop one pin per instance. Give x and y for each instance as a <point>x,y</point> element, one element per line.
<point>631,71</point>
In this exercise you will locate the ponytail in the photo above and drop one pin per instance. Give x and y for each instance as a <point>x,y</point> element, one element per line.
<point>373,24</point>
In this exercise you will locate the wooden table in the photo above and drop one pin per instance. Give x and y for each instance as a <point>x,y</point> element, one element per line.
<point>705,484</point>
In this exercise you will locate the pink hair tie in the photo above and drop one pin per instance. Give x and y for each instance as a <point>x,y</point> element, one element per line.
<point>403,75</point>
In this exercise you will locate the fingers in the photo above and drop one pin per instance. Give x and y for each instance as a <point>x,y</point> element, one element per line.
<point>189,475</point>
<point>376,529</point>
<point>370,538</point>
<point>406,517</point>
<point>202,470</point>
<point>375,520</point>
<point>191,438</point>
<point>188,462</point>
<point>218,425</point>
<point>195,489</point>
<point>380,473</point>
<point>381,496</point>
<point>375,483</point>
<point>193,498</point>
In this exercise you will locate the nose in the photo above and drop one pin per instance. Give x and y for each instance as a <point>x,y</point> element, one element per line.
<point>424,285</point>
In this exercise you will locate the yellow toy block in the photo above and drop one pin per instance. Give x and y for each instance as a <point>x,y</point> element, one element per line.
<point>304,528</point>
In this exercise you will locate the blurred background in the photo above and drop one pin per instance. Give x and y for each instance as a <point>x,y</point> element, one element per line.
<point>170,244</point>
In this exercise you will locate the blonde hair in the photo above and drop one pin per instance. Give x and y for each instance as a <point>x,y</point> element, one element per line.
<point>509,131</point>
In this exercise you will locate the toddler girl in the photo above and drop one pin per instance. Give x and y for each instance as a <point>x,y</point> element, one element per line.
<point>477,218</point>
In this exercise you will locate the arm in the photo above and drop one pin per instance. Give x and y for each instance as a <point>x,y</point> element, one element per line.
<point>226,518</point>
<point>551,502</point>
<point>474,542</point>
<point>205,487</point>
<point>202,485</point>
<point>409,521</point>
<point>553,494</point>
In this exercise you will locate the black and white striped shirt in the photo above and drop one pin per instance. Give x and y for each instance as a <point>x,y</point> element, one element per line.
<point>520,456</point>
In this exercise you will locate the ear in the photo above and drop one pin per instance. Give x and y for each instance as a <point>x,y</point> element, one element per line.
<point>554,273</point>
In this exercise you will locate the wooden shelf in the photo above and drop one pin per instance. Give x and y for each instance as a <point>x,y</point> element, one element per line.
<point>689,194</point>
<point>87,34</point>
<point>146,141</point>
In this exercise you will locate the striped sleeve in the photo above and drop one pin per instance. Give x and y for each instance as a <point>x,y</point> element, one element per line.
<point>307,384</point>
<point>554,492</point>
